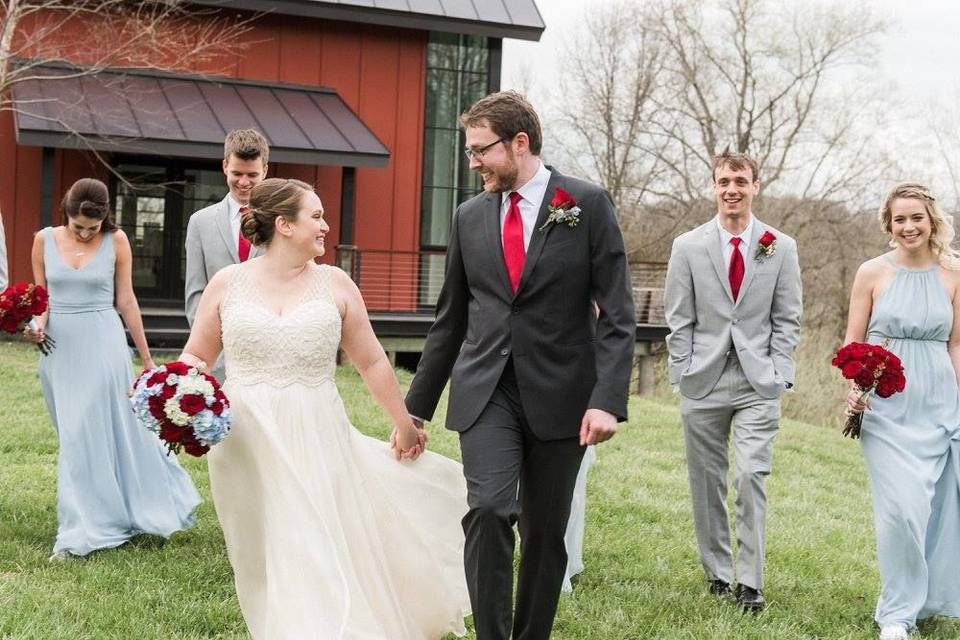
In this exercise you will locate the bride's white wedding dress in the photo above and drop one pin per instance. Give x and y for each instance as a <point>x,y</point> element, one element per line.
<point>328,535</point>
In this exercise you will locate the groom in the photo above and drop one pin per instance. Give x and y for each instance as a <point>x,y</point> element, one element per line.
<point>534,374</point>
<point>733,303</point>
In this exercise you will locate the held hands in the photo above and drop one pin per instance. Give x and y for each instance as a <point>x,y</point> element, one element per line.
<point>408,441</point>
<point>597,426</point>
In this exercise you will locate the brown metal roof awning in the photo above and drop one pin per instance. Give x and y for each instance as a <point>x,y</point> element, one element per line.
<point>154,113</point>
<point>492,18</point>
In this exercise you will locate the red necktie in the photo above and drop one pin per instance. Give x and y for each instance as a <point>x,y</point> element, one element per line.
<point>243,245</point>
<point>513,252</point>
<point>736,268</point>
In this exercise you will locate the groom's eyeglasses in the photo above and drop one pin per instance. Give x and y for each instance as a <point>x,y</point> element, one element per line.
<point>478,153</point>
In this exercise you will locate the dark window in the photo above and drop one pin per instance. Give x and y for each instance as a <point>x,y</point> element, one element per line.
<point>458,74</point>
<point>153,203</point>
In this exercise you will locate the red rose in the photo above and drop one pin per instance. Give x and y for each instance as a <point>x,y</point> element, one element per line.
<point>10,323</point>
<point>886,388</point>
<point>562,200</point>
<point>192,404</point>
<point>865,378</point>
<point>767,239</point>
<point>193,446</point>
<point>217,408</point>
<point>167,391</point>
<point>177,367</point>
<point>851,369</point>
<point>170,432</point>
<point>158,378</point>
<point>39,301</point>
<point>155,404</point>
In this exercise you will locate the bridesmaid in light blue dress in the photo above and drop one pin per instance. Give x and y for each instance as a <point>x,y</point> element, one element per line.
<point>909,300</point>
<point>114,478</point>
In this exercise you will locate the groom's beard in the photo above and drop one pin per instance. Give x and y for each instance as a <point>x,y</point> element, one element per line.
<point>504,179</point>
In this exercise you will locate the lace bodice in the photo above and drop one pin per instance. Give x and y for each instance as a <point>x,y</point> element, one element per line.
<point>261,347</point>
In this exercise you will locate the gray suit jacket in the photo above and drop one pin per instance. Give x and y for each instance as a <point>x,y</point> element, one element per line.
<point>763,325</point>
<point>211,246</point>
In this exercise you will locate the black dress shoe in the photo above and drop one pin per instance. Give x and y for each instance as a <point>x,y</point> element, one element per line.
<point>720,588</point>
<point>750,599</point>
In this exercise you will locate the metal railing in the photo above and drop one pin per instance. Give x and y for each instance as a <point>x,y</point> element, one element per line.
<point>409,281</point>
<point>394,281</point>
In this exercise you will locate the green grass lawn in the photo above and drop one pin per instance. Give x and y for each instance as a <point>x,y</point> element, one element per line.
<point>642,578</point>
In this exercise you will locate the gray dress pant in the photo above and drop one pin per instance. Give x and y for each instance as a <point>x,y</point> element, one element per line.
<point>707,424</point>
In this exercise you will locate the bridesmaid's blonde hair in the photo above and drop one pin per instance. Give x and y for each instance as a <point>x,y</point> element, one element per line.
<point>941,225</point>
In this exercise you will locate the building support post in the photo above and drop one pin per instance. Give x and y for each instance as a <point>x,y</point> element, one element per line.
<point>46,187</point>
<point>646,377</point>
<point>348,199</point>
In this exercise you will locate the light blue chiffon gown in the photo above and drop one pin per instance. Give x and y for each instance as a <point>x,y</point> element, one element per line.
<point>911,443</point>
<point>114,478</point>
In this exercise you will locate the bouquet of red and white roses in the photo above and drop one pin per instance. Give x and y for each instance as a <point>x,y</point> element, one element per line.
<point>19,303</point>
<point>182,405</point>
<point>871,368</point>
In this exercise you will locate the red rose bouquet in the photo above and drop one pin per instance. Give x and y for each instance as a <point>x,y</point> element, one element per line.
<point>871,368</point>
<point>182,405</point>
<point>19,303</point>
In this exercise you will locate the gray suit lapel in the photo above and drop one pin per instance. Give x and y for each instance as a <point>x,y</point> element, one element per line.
<point>491,223</point>
<point>712,240</point>
<point>222,218</point>
<point>539,237</point>
<point>749,262</point>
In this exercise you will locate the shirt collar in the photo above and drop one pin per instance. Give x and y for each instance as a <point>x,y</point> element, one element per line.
<point>233,207</point>
<point>534,188</point>
<point>726,235</point>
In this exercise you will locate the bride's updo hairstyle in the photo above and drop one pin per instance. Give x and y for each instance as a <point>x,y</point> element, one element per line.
<point>941,225</point>
<point>90,198</point>
<point>272,198</point>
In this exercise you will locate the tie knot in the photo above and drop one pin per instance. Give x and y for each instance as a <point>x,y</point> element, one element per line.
<point>735,242</point>
<point>515,197</point>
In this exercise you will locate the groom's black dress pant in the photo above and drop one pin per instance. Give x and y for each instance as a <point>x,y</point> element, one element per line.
<point>512,476</point>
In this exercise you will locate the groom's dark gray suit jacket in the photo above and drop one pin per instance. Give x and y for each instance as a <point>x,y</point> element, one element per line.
<point>566,359</point>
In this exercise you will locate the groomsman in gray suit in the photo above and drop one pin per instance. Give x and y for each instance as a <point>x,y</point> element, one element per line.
<point>733,304</point>
<point>213,233</point>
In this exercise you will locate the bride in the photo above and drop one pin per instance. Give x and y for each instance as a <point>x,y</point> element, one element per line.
<point>328,536</point>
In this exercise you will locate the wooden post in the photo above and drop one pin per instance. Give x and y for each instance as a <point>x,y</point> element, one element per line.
<point>645,369</point>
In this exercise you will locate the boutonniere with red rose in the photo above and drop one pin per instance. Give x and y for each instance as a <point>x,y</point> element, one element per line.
<point>563,210</point>
<point>766,246</point>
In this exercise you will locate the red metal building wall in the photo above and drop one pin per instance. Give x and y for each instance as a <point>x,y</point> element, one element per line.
<point>378,71</point>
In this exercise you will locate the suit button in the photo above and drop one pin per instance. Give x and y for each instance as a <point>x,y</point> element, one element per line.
<point>505,352</point>
<point>515,310</point>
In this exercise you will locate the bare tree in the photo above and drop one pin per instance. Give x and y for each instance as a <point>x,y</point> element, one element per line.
<point>95,35</point>
<point>615,71</point>
<point>655,91</point>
